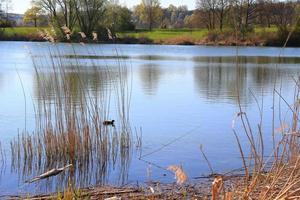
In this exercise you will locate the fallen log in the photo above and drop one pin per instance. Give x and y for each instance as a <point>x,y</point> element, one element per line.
<point>52,172</point>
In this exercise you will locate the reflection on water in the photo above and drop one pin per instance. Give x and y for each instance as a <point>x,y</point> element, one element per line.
<point>249,60</point>
<point>217,83</point>
<point>198,59</point>
<point>172,88</point>
<point>89,81</point>
<point>97,57</point>
<point>150,75</point>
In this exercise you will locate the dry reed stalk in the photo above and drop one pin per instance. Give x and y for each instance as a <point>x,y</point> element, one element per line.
<point>217,187</point>
<point>82,34</point>
<point>95,36</point>
<point>206,159</point>
<point>180,175</point>
<point>282,178</point>
<point>69,125</point>
<point>109,33</point>
<point>228,196</point>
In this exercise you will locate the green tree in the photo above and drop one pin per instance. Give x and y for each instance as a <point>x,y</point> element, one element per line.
<point>209,7</point>
<point>33,15</point>
<point>149,12</point>
<point>118,18</point>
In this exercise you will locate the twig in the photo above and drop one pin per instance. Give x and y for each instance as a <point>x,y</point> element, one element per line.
<point>206,159</point>
<point>171,142</point>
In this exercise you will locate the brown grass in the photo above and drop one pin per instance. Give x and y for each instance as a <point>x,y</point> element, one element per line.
<point>276,176</point>
<point>69,126</point>
<point>180,40</point>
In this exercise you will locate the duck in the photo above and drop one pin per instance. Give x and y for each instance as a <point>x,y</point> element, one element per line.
<point>109,122</point>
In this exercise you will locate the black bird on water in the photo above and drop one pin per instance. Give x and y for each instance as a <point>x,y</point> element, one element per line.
<point>109,122</point>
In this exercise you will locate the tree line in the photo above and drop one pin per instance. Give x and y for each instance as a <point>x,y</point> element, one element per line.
<point>244,15</point>
<point>89,16</point>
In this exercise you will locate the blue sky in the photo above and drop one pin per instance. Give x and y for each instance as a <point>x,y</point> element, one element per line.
<point>20,6</point>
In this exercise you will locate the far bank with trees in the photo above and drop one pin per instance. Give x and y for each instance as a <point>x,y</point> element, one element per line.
<point>213,22</point>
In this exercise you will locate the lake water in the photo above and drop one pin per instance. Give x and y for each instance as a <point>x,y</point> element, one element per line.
<point>181,97</point>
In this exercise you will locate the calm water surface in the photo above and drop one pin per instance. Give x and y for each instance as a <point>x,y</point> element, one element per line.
<point>176,91</point>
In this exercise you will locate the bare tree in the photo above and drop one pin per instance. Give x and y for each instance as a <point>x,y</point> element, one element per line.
<point>89,13</point>
<point>67,8</point>
<point>264,12</point>
<point>249,13</point>
<point>222,10</point>
<point>243,12</point>
<point>209,7</point>
<point>62,12</point>
<point>283,16</point>
<point>150,8</point>
<point>149,12</point>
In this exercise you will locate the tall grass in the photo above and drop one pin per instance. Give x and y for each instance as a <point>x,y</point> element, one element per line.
<point>69,123</point>
<point>275,176</point>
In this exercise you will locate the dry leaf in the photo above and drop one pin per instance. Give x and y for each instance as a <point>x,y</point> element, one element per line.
<point>217,186</point>
<point>66,30</point>
<point>46,36</point>
<point>180,175</point>
<point>82,35</point>
<point>110,35</point>
<point>95,36</point>
<point>152,190</point>
<point>68,36</point>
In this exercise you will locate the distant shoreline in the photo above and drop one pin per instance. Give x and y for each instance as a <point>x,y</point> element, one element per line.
<point>260,37</point>
<point>147,42</point>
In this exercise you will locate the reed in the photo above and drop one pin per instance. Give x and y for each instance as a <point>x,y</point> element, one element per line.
<point>275,176</point>
<point>69,128</point>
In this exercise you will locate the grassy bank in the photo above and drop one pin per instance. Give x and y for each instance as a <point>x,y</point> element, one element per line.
<point>259,37</point>
<point>21,34</point>
<point>167,36</point>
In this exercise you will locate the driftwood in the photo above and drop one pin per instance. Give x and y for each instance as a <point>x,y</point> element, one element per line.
<point>52,172</point>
